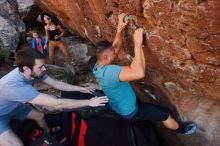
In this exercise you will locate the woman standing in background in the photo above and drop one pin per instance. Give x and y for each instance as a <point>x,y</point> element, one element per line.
<point>53,34</point>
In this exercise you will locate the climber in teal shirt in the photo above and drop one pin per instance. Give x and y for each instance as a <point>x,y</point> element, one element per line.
<point>114,81</point>
<point>121,95</point>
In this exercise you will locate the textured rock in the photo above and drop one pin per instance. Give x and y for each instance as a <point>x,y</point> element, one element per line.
<point>11,27</point>
<point>24,6</point>
<point>183,52</point>
<point>80,50</point>
<point>13,14</point>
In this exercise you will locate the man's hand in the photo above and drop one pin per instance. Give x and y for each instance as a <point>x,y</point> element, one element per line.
<point>98,101</point>
<point>121,23</point>
<point>87,89</point>
<point>138,38</point>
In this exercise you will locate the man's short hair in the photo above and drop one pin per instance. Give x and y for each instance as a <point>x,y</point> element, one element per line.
<point>26,57</point>
<point>103,45</point>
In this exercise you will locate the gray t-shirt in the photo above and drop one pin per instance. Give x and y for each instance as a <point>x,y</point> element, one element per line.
<point>15,90</point>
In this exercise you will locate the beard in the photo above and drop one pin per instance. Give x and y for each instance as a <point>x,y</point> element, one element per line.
<point>35,76</point>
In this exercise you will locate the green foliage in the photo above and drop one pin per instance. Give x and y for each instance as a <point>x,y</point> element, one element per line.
<point>66,76</point>
<point>4,52</point>
<point>70,77</point>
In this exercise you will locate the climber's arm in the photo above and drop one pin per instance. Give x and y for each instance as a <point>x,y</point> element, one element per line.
<point>143,59</point>
<point>119,34</point>
<point>136,70</point>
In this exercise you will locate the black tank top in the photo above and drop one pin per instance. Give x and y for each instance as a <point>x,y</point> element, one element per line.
<point>53,33</point>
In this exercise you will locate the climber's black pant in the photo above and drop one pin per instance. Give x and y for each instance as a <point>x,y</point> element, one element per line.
<point>143,111</point>
<point>151,112</point>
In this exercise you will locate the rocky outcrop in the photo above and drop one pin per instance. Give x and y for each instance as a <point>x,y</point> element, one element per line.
<point>80,50</point>
<point>15,16</point>
<point>28,12</point>
<point>24,6</point>
<point>11,27</point>
<point>182,53</point>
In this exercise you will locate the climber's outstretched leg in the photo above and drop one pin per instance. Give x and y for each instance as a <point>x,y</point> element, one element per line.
<point>185,129</point>
<point>152,112</point>
<point>171,123</point>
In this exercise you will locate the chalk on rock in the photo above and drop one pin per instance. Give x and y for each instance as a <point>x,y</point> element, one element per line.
<point>154,97</point>
<point>129,57</point>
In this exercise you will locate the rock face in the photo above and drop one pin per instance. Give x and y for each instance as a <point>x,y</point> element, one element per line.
<point>13,14</point>
<point>80,50</point>
<point>24,6</point>
<point>11,26</point>
<point>182,53</point>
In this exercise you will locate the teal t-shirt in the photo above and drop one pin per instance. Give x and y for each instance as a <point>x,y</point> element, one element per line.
<point>121,96</point>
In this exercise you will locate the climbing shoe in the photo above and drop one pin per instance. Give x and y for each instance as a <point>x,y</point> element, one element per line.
<point>187,128</point>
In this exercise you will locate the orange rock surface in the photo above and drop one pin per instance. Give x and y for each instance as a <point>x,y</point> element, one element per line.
<point>182,53</point>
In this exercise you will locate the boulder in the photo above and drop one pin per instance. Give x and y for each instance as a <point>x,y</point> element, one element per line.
<point>24,6</point>
<point>182,52</point>
<point>80,51</point>
<point>11,26</point>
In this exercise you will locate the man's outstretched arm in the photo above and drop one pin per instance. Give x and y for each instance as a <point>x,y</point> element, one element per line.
<point>119,34</point>
<point>136,70</point>
<point>66,87</point>
<point>61,103</point>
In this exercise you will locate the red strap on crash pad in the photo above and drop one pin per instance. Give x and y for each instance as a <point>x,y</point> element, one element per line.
<point>83,128</point>
<point>82,133</point>
<point>73,126</point>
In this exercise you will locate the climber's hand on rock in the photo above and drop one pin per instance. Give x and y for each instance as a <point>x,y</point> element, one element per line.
<point>138,37</point>
<point>121,23</point>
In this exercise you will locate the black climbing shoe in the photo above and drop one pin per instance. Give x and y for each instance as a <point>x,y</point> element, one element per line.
<point>188,128</point>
